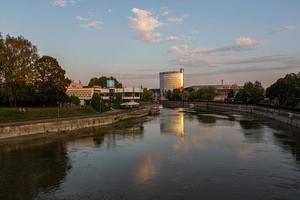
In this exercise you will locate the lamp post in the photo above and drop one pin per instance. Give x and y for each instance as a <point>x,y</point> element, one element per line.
<point>58,110</point>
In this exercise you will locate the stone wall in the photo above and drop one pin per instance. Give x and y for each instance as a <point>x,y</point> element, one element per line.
<point>287,116</point>
<point>62,125</point>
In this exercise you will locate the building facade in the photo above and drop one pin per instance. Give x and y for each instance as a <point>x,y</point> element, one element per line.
<point>170,80</point>
<point>127,93</point>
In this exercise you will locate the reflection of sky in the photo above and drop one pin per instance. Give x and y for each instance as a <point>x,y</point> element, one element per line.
<point>212,159</point>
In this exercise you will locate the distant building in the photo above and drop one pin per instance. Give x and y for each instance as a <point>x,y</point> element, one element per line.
<point>170,80</point>
<point>222,90</point>
<point>128,93</point>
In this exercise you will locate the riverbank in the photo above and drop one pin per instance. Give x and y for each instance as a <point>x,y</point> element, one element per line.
<point>282,115</point>
<point>65,125</point>
<point>8,115</point>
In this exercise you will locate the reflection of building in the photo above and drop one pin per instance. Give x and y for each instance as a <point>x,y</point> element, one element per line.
<point>128,93</point>
<point>222,90</point>
<point>173,123</point>
<point>170,81</point>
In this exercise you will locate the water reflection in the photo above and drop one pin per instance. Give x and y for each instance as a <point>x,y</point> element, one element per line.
<point>212,156</point>
<point>173,123</point>
<point>24,174</point>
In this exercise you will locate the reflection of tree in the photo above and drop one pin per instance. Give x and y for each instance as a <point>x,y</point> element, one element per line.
<point>25,173</point>
<point>289,141</point>
<point>248,124</point>
<point>121,131</point>
<point>252,130</point>
<point>207,119</point>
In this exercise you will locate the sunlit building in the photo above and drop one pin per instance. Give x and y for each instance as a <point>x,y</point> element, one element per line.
<point>171,80</point>
<point>86,93</point>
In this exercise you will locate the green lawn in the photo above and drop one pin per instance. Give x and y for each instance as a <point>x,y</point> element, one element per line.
<point>14,115</point>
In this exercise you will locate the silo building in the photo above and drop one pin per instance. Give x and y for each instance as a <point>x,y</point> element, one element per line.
<point>170,80</point>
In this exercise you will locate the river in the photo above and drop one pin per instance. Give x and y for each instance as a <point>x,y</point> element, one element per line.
<point>177,155</point>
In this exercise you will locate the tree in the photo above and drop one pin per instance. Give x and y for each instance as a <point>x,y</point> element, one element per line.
<point>50,81</point>
<point>101,81</point>
<point>251,93</point>
<point>230,94</point>
<point>207,93</point>
<point>98,104</point>
<point>74,100</point>
<point>17,59</point>
<point>118,100</point>
<point>285,91</point>
<point>147,95</point>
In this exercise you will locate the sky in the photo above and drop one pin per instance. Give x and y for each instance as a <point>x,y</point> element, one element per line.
<point>133,40</point>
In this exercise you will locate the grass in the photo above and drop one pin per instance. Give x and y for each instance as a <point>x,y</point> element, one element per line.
<point>14,115</point>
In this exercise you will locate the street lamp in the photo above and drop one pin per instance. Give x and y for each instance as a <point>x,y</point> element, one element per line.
<point>57,109</point>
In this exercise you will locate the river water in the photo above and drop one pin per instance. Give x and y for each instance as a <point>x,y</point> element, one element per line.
<point>177,155</point>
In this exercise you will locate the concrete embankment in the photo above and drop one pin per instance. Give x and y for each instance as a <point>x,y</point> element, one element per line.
<point>13,130</point>
<point>286,116</point>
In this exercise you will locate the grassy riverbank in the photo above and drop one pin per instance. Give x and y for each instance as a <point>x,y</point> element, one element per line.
<point>14,115</point>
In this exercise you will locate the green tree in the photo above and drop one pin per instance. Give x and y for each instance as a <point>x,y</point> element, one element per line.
<point>207,93</point>
<point>118,100</point>
<point>17,59</point>
<point>101,81</point>
<point>147,95</point>
<point>96,102</point>
<point>50,80</point>
<point>74,100</point>
<point>285,91</point>
<point>251,93</point>
<point>230,94</point>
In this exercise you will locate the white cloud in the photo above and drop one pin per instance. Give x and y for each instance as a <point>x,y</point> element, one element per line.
<point>88,23</point>
<point>246,41</point>
<point>94,24</point>
<point>172,38</point>
<point>164,11</point>
<point>146,25</point>
<point>178,20</point>
<point>109,10</point>
<point>63,3</point>
<point>79,18</point>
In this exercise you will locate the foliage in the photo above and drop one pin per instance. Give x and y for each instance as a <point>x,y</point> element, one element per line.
<point>251,93</point>
<point>74,100</point>
<point>98,104</point>
<point>29,79</point>
<point>285,91</point>
<point>231,94</point>
<point>118,100</point>
<point>147,95</point>
<point>101,81</point>
<point>207,93</point>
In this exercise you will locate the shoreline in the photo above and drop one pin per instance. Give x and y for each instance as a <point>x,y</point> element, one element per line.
<point>63,125</point>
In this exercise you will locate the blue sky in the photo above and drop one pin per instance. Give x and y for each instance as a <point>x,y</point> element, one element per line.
<point>233,40</point>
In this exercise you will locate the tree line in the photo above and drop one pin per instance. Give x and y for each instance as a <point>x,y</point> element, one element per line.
<point>285,92</point>
<point>29,78</point>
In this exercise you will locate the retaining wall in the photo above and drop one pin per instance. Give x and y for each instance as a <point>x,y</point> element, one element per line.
<point>62,125</point>
<point>286,116</point>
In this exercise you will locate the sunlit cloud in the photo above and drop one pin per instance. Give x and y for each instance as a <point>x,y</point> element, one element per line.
<point>178,20</point>
<point>88,23</point>
<point>63,3</point>
<point>145,24</point>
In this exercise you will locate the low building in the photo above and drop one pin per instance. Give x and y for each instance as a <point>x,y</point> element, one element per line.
<point>127,93</point>
<point>222,90</point>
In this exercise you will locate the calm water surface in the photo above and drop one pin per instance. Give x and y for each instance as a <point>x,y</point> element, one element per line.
<point>177,155</point>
